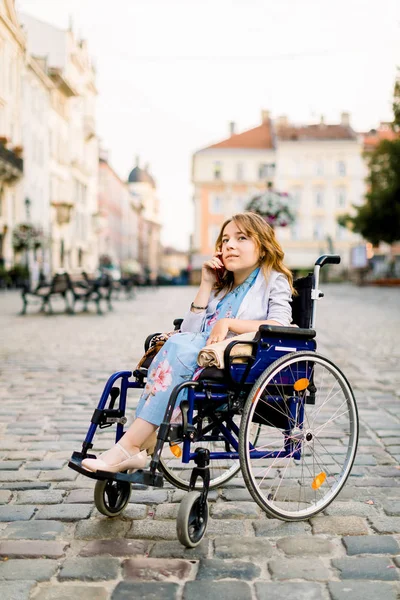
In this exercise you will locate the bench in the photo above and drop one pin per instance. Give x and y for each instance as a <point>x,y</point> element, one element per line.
<point>59,286</point>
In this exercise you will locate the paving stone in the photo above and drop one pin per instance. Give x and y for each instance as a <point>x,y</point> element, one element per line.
<point>213,568</point>
<point>283,591</point>
<point>370,544</point>
<point>175,549</point>
<point>27,485</point>
<point>167,511</point>
<point>64,591</point>
<point>60,475</point>
<point>371,482</point>
<point>129,590</point>
<point>16,513</point>
<point>178,495</point>
<point>366,568</point>
<point>115,548</point>
<point>241,547</point>
<point>309,545</point>
<point>222,527</point>
<point>132,512</point>
<point>89,569</point>
<point>79,497</point>
<point>235,510</point>
<point>39,497</point>
<point>235,495</point>
<point>101,529</point>
<point>386,524</point>
<point>28,569</point>
<point>357,509</point>
<point>361,590</point>
<point>153,530</point>
<point>32,549</point>
<point>339,525</point>
<point>10,465</point>
<point>217,590</point>
<point>5,496</point>
<point>46,465</point>
<point>149,496</point>
<point>64,512</point>
<point>16,590</point>
<point>34,530</point>
<point>18,476</point>
<point>156,569</point>
<point>277,528</point>
<point>392,508</point>
<point>299,568</point>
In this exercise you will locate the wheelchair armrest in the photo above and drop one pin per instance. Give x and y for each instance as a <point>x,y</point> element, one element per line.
<point>268,331</point>
<point>177,324</point>
<point>228,358</point>
<point>148,340</point>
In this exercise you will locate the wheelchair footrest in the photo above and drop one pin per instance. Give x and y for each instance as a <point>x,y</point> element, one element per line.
<point>138,477</point>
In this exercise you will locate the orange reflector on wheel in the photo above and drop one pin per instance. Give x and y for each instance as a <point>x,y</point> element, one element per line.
<point>301,384</point>
<point>318,481</point>
<point>176,450</point>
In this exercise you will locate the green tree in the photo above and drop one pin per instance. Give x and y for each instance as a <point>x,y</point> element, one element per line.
<point>378,220</point>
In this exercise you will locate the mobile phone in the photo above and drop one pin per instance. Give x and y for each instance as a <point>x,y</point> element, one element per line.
<point>220,273</point>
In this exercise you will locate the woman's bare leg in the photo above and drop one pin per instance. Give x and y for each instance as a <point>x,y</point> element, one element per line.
<point>136,435</point>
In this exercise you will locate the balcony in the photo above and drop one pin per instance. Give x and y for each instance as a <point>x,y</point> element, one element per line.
<point>63,211</point>
<point>11,165</point>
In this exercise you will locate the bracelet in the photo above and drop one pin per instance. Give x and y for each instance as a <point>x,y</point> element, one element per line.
<point>198,307</point>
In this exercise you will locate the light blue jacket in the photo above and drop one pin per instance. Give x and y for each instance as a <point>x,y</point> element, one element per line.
<point>265,300</point>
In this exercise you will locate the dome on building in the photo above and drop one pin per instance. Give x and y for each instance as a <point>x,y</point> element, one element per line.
<point>139,175</point>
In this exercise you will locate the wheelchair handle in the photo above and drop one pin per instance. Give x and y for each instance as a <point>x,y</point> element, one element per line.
<point>327,259</point>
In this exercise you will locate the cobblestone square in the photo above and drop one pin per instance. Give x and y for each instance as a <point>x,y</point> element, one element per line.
<point>55,544</point>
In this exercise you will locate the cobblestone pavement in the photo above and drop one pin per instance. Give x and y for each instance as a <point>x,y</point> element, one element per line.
<point>55,545</point>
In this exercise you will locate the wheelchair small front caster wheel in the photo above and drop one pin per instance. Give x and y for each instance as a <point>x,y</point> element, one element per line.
<point>191,523</point>
<point>111,497</point>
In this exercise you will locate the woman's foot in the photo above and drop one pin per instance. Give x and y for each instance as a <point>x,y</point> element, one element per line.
<point>115,460</point>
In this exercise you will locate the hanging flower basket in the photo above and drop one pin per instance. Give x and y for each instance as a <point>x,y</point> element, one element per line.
<point>26,236</point>
<point>274,207</point>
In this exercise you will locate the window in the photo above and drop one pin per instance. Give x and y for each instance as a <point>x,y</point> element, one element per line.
<point>217,170</point>
<point>266,170</point>
<point>319,198</point>
<point>318,230</point>
<point>216,204</point>
<point>341,168</point>
<point>295,231</point>
<point>240,203</point>
<point>341,197</point>
<point>319,168</point>
<point>295,197</point>
<point>340,232</point>
<point>240,171</point>
<point>213,231</point>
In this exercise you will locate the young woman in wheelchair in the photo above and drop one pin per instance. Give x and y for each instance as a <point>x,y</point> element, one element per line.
<point>243,286</point>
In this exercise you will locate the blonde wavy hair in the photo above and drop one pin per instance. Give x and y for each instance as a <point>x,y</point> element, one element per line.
<point>271,253</point>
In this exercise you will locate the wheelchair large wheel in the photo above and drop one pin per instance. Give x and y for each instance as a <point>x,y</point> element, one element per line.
<point>221,470</point>
<point>307,440</point>
<point>111,497</point>
<point>191,523</point>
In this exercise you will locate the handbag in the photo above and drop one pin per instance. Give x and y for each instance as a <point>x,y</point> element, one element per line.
<point>156,343</point>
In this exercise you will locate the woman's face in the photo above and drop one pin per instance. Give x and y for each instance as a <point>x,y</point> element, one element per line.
<point>239,251</point>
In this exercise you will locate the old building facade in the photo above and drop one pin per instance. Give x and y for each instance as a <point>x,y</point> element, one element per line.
<point>12,56</point>
<point>73,144</point>
<point>319,166</point>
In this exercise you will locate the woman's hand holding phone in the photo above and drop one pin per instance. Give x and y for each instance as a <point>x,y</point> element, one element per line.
<point>213,269</point>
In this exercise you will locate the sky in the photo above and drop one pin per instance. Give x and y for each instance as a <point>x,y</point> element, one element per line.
<point>172,74</point>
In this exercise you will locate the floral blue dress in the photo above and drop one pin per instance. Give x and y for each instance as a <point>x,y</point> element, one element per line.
<point>177,360</point>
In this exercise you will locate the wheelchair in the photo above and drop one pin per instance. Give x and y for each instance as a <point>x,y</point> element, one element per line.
<point>285,416</point>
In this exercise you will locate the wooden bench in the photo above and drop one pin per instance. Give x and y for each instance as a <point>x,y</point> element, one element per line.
<point>59,286</point>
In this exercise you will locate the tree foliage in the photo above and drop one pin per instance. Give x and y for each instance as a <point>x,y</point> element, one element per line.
<point>378,220</point>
